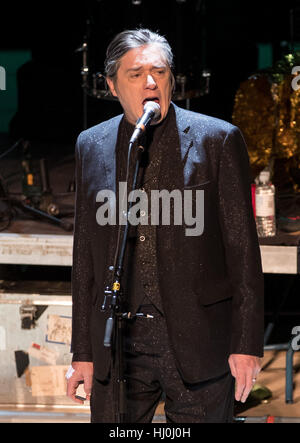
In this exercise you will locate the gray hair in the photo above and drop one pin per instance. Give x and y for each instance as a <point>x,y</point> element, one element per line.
<point>131,39</point>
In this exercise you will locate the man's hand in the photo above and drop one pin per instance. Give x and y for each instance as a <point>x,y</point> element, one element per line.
<point>83,373</point>
<point>244,368</point>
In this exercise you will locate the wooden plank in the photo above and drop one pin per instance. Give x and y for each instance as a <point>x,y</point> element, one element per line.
<point>36,249</point>
<point>56,250</point>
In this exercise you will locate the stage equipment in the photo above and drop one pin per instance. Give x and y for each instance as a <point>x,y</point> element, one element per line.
<point>267,110</point>
<point>35,183</point>
<point>85,76</point>
<point>36,198</point>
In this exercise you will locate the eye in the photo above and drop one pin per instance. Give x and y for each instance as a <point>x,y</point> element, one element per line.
<point>135,75</point>
<point>160,71</point>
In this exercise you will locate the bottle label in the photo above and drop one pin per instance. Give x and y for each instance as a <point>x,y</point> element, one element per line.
<point>265,205</point>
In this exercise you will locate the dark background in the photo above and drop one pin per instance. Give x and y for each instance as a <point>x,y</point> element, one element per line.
<point>221,35</point>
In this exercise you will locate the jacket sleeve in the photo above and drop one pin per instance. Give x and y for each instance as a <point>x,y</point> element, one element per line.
<point>82,268</point>
<point>242,253</point>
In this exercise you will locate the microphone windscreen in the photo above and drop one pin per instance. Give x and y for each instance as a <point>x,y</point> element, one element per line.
<point>153,106</point>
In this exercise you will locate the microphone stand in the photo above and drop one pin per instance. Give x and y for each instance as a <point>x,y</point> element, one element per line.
<point>115,321</point>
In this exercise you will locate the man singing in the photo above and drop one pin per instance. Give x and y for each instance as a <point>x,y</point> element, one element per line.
<point>195,332</point>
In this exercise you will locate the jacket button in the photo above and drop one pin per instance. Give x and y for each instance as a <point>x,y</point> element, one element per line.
<point>142,238</point>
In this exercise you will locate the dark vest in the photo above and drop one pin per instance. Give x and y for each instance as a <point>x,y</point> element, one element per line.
<point>141,280</point>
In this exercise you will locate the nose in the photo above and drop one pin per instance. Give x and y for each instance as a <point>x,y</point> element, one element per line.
<point>150,82</point>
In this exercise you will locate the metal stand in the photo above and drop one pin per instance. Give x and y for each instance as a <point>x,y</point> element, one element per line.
<point>113,301</point>
<point>67,226</point>
<point>84,48</point>
<point>37,195</point>
<point>283,346</point>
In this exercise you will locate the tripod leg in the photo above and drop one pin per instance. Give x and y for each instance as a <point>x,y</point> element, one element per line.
<point>289,375</point>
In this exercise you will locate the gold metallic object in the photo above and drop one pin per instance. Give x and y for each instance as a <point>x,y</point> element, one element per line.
<point>267,110</point>
<point>116,286</point>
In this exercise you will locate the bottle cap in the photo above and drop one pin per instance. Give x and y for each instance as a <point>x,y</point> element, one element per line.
<point>264,177</point>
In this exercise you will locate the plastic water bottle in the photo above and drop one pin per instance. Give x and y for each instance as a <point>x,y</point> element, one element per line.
<point>265,206</point>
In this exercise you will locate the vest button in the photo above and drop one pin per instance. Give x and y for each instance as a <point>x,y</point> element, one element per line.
<point>142,238</point>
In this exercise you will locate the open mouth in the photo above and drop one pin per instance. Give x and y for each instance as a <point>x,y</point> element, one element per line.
<point>151,99</point>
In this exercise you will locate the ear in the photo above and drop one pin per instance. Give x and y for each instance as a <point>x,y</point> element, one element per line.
<point>111,86</point>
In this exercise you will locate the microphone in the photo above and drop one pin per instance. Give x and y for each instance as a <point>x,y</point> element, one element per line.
<point>151,111</point>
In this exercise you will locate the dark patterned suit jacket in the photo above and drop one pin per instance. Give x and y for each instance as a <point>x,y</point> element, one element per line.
<point>212,289</point>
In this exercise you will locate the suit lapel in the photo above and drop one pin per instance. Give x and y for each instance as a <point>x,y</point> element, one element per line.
<point>183,132</point>
<point>186,142</point>
<point>108,144</point>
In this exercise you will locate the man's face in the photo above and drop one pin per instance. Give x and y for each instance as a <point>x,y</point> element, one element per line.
<point>143,75</point>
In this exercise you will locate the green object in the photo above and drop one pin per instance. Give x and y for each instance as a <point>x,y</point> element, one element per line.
<point>283,67</point>
<point>265,55</point>
<point>10,61</point>
<point>260,392</point>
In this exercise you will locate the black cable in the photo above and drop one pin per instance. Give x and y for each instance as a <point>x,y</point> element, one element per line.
<point>11,148</point>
